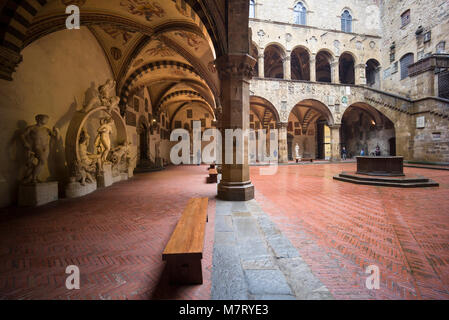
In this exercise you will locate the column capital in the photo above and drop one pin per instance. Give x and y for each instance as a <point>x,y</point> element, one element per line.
<point>235,66</point>
<point>335,126</point>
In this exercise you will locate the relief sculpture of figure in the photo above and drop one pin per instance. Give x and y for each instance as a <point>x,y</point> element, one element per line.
<point>103,140</point>
<point>36,140</point>
<point>87,165</point>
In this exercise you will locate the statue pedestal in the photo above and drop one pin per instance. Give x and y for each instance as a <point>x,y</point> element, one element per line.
<point>35,195</point>
<point>105,178</point>
<point>76,190</point>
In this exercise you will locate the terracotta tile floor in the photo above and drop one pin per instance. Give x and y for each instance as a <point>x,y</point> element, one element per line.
<point>116,236</point>
<point>341,228</point>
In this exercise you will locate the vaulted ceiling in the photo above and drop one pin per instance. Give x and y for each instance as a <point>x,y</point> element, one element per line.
<point>163,45</point>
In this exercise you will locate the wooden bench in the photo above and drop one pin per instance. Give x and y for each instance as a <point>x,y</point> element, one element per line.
<point>306,160</point>
<point>213,176</point>
<point>184,250</point>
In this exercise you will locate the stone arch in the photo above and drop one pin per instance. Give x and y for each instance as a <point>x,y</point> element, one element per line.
<point>260,101</point>
<point>306,125</point>
<point>324,60</point>
<point>365,127</point>
<point>143,136</point>
<point>372,73</point>
<point>255,51</point>
<point>274,56</point>
<point>346,67</point>
<point>319,107</point>
<point>300,63</point>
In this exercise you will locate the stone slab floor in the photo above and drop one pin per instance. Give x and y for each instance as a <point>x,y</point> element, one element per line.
<point>305,236</point>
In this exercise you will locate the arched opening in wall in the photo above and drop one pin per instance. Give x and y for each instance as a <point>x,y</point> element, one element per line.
<point>373,73</point>
<point>255,54</point>
<point>308,126</point>
<point>263,115</point>
<point>273,62</point>
<point>143,134</point>
<point>323,66</point>
<point>364,127</point>
<point>186,114</point>
<point>346,69</point>
<point>300,64</point>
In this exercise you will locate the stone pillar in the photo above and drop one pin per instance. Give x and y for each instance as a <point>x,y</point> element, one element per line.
<point>335,142</point>
<point>235,72</point>
<point>313,68</point>
<point>335,72</point>
<point>261,62</point>
<point>282,136</point>
<point>360,74</point>
<point>287,67</point>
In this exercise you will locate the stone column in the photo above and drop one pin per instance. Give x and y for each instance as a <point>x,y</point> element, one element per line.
<point>335,72</point>
<point>282,136</point>
<point>287,67</point>
<point>313,68</point>
<point>335,142</point>
<point>261,62</point>
<point>360,74</point>
<point>235,72</point>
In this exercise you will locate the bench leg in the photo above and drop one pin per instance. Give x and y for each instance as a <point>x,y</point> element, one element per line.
<point>184,270</point>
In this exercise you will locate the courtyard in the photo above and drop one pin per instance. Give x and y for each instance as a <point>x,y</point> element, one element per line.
<point>333,230</point>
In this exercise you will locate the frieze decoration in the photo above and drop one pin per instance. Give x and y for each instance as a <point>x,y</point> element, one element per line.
<point>160,49</point>
<point>147,9</point>
<point>116,53</point>
<point>193,40</point>
<point>115,33</point>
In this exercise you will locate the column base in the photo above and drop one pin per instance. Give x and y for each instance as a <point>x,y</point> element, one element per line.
<point>230,191</point>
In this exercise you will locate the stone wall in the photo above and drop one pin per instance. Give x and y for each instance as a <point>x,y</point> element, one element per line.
<point>433,16</point>
<point>52,79</point>
<point>324,14</point>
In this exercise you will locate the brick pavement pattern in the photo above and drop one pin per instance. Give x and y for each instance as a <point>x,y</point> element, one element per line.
<point>115,236</point>
<point>340,229</point>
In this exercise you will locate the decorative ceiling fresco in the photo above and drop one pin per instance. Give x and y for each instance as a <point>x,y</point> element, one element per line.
<point>153,44</point>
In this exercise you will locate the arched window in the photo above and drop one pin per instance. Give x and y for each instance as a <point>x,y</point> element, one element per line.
<point>405,61</point>
<point>252,9</point>
<point>300,13</point>
<point>346,21</point>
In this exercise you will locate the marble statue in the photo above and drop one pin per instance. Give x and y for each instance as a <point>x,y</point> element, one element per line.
<point>36,140</point>
<point>119,154</point>
<point>103,140</point>
<point>86,167</point>
<point>105,97</point>
<point>297,156</point>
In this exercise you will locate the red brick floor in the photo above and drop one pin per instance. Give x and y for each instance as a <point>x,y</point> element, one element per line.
<point>115,236</point>
<point>341,228</point>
